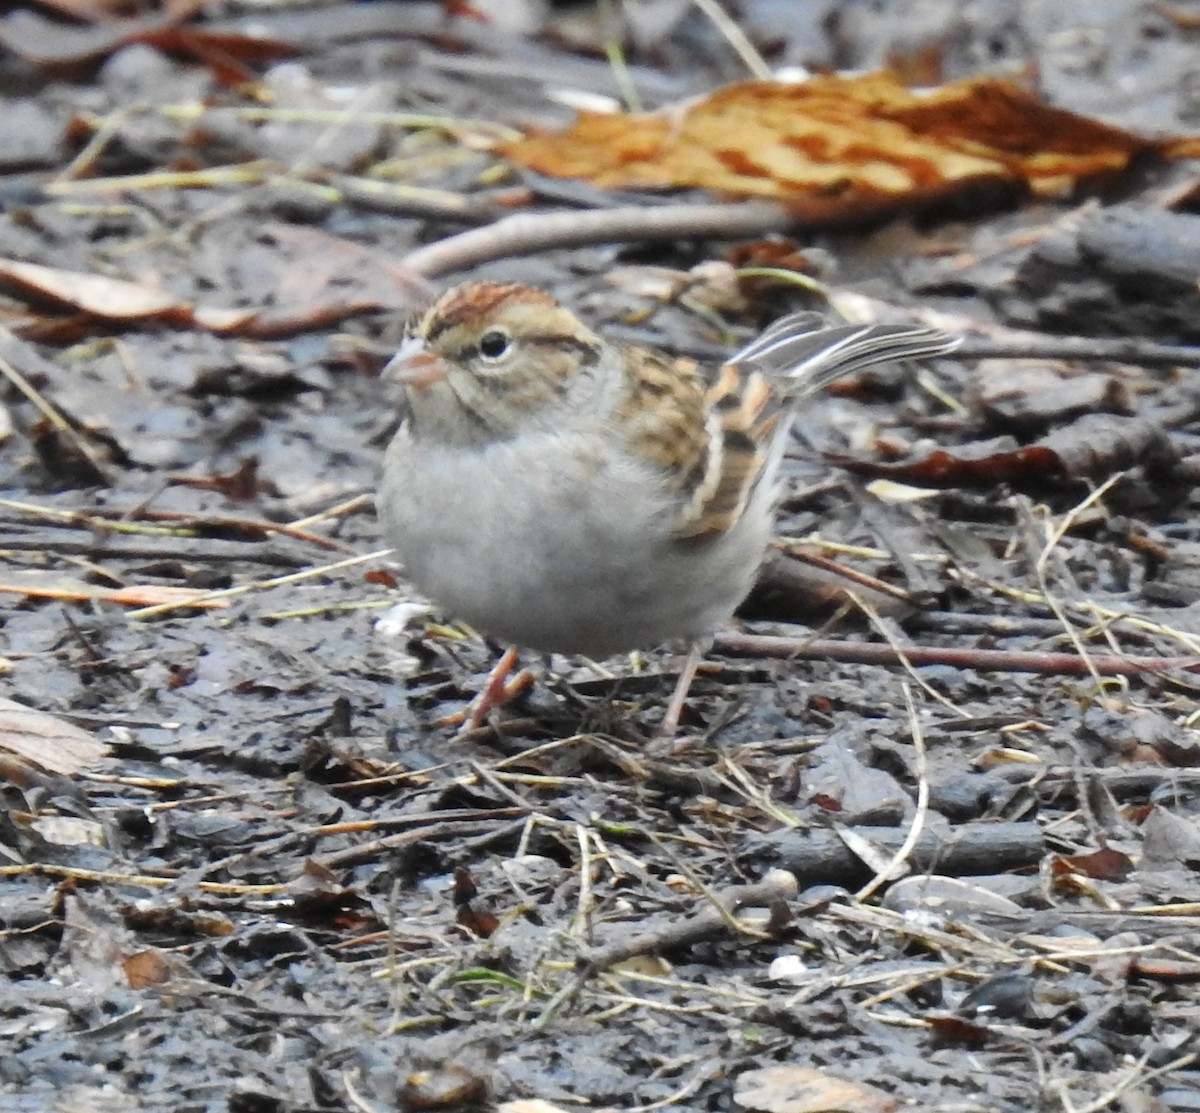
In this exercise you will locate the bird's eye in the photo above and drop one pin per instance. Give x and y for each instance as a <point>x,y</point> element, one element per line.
<point>493,344</point>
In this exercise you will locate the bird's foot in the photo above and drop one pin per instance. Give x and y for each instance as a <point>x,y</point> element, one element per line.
<point>497,691</point>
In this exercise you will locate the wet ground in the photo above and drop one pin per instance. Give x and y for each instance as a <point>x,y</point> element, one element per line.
<point>287,886</point>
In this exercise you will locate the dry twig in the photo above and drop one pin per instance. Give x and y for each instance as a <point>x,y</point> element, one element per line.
<point>528,233</point>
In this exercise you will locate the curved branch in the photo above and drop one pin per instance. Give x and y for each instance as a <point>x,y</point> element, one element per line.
<point>526,233</point>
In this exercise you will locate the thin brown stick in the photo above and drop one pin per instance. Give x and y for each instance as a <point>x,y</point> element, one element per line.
<point>179,524</point>
<point>356,855</point>
<point>528,233</point>
<point>986,660</point>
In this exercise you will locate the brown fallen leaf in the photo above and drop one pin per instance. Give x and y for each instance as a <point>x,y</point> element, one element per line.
<point>320,280</point>
<point>954,1031</point>
<point>111,298</point>
<point>49,43</point>
<point>1094,447</point>
<point>114,299</point>
<point>448,1086</point>
<point>46,740</point>
<point>846,147</point>
<point>1104,864</point>
<point>231,56</point>
<point>146,968</point>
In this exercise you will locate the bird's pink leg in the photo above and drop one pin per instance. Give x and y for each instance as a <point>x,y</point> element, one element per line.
<point>497,690</point>
<point>670,724</point>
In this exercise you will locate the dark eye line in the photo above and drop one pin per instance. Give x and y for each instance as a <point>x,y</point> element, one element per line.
<point>473,353</point>
<point>589,352</point>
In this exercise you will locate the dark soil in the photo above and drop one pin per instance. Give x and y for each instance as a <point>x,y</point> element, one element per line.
<point>288,887</point>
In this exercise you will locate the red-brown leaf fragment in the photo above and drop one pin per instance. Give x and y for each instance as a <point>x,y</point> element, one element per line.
<point>1104,864</point>
<point>1092,448</point>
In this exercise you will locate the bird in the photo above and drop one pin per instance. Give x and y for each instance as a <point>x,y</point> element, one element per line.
<point>569,493</point>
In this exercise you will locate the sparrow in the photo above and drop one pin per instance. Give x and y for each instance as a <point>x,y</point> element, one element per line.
<point>573,494</point>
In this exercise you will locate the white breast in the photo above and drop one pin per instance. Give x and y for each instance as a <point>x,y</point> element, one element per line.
<point>556,543</point>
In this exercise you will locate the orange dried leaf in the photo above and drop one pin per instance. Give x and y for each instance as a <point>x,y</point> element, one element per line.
<point>837,147</point>
<point>131,595</point>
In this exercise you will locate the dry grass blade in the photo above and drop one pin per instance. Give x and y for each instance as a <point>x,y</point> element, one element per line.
<point>736,38</point>
<point>1053,540</point>
<point>889,872</point>
<point>262,585</point>
<point>903,655</point>
<point>1135,1075</point>
<point>53,417</point>
<point>73,873</point>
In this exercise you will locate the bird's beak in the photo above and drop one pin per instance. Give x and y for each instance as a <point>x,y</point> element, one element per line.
<point>415,365</point>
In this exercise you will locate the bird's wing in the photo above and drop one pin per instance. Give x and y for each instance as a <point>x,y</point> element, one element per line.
<point>749,406</point>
